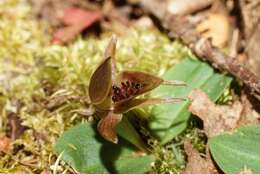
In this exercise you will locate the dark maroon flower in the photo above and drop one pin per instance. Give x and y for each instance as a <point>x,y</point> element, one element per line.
<point>114,93</point>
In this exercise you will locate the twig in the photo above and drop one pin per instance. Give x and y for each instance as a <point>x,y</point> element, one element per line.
<point>203,48</point>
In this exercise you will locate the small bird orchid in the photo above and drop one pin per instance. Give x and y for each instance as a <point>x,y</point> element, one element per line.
<point>113,93</point>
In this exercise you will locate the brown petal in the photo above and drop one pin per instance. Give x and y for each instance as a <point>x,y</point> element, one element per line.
<point>107,126</point>
<point>125,106</point>
<point>110,52</point>
<point>147,81</point>
<point>100,82</point>
<point>111,48</point>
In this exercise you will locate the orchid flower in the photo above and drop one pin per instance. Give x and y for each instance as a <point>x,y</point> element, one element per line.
<point>113,93</point>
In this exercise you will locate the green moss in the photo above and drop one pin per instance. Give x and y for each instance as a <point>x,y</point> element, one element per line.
<point>169,159</point>
<point>44,84</point>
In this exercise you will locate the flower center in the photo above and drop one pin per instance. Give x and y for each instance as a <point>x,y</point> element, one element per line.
<point>125,90</point>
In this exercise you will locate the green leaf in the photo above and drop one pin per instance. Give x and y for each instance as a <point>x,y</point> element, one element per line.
<point>88,153</point>
<point>127,131</point>
<point>233,152</point>
<point>169,120</point>
<point>122,107</point>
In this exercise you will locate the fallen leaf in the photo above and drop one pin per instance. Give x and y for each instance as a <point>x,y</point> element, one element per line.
<point>216,27</point>
<point>249,115</point>
<point>66,34</point>
<point>74,16</point>
<point>75,20</point>
<point>5,144</point>
<point>15,125</point>
<point>216,119</point>
<point>196,164</point>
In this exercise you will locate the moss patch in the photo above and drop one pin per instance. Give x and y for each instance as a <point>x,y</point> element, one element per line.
<point>46,84</point>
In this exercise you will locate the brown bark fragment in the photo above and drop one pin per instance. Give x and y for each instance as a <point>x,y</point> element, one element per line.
<point>196,164</point>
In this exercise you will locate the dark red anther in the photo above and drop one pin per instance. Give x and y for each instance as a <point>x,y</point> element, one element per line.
<point>126,90</point>
<point>137,86</point>
<point>130,91</point>
<point>124,85</point>
<point>116,90</point>
<point>127,83</point>
<point>114,98</point>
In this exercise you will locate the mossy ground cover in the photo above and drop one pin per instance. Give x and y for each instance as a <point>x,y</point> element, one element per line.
<point>46,85</point>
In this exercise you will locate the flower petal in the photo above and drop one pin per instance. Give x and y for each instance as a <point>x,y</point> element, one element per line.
<point>110,52</point>
<point>147,81</point>
<point>111,48</point>
<point>107,126</point>
<point>100,82</point>
<point>125,106</point>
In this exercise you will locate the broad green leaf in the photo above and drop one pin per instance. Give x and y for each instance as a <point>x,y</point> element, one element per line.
<point>88,153</point>
<point>127,131</point>
<point>169,120</point>
<point>233,152</point>
<point>122,107</point>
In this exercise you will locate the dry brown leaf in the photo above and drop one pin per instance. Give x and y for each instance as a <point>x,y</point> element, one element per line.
<point>196,164</point>
<point>5,144</point>
<point>248,115</point>
<point>220,118</point>
<point>76,20</point>
<point>216,27</point>
<point>216,119</point>
<point>52,10</point>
